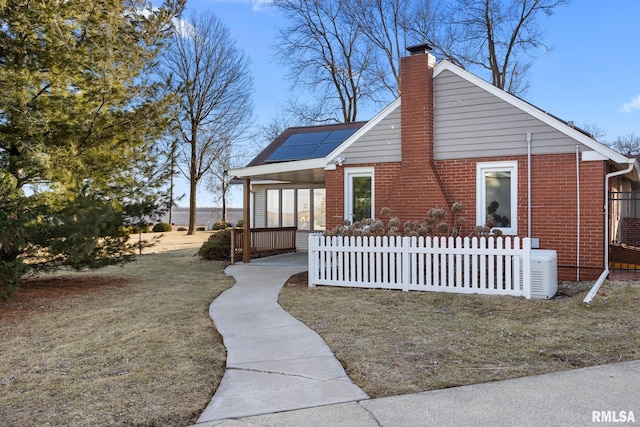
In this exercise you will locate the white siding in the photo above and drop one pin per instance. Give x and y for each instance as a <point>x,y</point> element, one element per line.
<point>380,144</point>
<point>302,240</point>
<point>470,122</point>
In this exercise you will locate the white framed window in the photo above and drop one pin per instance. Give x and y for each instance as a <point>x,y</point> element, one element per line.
<point>273,208</point>
<point>319,208</point>
<point>359,193</point>
<point>497,195</point>
<point>304,209</point>
<point>296,207</point>
<point>288,212</point>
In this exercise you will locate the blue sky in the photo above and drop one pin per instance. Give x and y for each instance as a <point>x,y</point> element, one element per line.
<point>592,75</point>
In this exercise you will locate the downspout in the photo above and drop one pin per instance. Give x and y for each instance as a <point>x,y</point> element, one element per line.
<point>529,184</point>
<point>594,290</point>
<point>578,210</point>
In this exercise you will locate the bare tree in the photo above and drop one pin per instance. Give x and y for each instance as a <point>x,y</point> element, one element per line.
<point>348,51</point>
<point>326,52</point>
<point>498,36</point>
<point>219,181</point>
<point>628,144</point>
<point>210,77</point>
<point>384,23</point>
<point>596,131</point>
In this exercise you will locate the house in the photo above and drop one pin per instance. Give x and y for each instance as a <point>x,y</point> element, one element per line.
<point>449,137</point>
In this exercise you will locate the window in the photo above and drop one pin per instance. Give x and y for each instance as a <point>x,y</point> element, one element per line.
<point>296,207</point>
<point>288,208</point>
<point>497,195</point>
<point>304,209</point>
<point>359,194</point>
<point>319,208</point>
<point>273,208</point>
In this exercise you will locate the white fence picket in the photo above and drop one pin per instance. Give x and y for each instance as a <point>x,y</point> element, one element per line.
<point>469,265</point>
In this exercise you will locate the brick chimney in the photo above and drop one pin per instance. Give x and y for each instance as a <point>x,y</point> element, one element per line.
<point>418,176</point>
<point>416,92</point>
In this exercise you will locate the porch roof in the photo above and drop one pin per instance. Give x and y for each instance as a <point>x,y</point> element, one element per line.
<point>299,171</point>
<point>307,168</point>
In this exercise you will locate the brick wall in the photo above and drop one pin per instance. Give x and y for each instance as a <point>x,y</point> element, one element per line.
<point>553,203</point>
<point>630,231</point>
<point>334,181</point>
<point>554,212</point>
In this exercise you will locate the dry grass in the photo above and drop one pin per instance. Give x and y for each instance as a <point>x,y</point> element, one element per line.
<point>138,348</point>
<point>392,342</point>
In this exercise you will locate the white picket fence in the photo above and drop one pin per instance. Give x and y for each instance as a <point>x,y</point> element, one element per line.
<point>494,266</point>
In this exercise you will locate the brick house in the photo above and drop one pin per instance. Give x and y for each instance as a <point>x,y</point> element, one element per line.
<point>449,137</point>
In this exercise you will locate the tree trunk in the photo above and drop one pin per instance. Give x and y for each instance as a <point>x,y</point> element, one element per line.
<point>192,206</point>
<point>193,184</point>
<point>225,188</point>
<point>171,184</point>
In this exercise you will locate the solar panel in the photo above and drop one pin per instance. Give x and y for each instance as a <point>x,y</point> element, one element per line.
<point>340,135</point>
<point>310,145</point>
<point>306,138</point>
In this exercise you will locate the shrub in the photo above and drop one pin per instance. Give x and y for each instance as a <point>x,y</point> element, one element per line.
<point>435,224</point>
<point>240,224</point>
<point>217,247</point>
<point>221,225</point>
<point>182,229</point>
<point>135,229</point>
<point>200,229</point>
<point>161,227</point>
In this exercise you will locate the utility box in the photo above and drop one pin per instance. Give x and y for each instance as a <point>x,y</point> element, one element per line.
<point>544,273</point>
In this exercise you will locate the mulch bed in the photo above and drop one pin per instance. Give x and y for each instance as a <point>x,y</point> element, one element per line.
<point>50,294</point>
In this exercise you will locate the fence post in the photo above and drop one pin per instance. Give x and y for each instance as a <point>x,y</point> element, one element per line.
<point>406,263</point>
<point>233,246</point>
<point>526,267</point>
<point>311,260</point>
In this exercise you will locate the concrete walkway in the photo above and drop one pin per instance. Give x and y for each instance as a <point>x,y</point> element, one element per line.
<point>582,397</point>
<point>274,362</point>
<point>280,373</point>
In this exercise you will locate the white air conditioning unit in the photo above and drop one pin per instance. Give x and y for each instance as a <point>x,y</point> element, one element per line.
<point>544,273</point>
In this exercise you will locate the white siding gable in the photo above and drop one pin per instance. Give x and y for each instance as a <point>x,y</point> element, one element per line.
<point>381,143</point>
<point>471,122</point>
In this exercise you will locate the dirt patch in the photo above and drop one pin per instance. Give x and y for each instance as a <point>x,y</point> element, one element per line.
<point>54,293</point>
<point>300,280</point>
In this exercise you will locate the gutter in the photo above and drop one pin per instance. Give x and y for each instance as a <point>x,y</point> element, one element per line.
<point>596,286</point>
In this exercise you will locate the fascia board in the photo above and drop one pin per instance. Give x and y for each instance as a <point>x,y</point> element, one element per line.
<point>278,168</point>
<point>533,111</point>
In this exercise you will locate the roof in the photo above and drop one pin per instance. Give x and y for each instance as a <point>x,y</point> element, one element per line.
<point>271,164</point>
<point>306,142</point>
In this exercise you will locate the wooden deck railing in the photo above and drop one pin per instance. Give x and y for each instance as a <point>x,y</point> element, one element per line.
<point>264,241</point>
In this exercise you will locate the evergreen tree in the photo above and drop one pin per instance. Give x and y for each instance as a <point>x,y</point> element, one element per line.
<point>79,118</point>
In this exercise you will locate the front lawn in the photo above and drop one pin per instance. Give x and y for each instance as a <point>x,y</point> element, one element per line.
<point>121,346</point>
<point>393,342</point>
